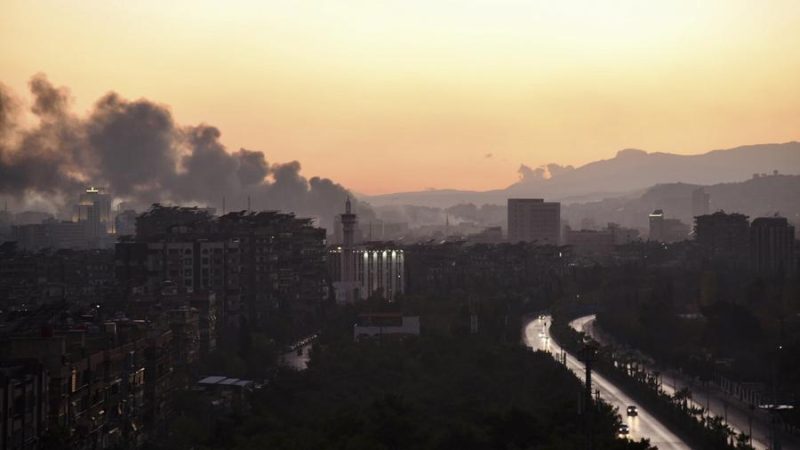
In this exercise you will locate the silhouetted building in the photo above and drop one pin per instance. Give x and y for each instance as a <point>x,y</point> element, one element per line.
<point>666,230</point>
<point>345,285</point>
<point>70,235</point>
<point>598,243</point>
<point>29,279</point>
<point>125,223</point>
<point>772,246</point>
<point>52,234</point>
<point>534,220</point>
<point>723,235</point>
<point>258,264</point>
<point>700,202</point>
<point>385,326</point>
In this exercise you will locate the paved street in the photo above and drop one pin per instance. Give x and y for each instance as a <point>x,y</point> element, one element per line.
<point>738,415</point>
<point>537,336</point>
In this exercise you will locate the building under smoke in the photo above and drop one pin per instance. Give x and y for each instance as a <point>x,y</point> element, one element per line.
<point>93,212</point>
<point>141,155</point>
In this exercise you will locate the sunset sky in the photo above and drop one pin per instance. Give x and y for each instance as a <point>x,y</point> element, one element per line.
<point>385,96</point>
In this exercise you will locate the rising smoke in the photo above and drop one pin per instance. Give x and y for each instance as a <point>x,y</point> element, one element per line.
<point>136,151</point>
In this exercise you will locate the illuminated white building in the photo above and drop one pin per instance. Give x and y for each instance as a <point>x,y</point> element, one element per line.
<point>380,271</point>
<point>361,271</point>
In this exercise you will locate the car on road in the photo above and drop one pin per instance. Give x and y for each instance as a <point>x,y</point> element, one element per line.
<point>624,430</point>
<point>633,411</point>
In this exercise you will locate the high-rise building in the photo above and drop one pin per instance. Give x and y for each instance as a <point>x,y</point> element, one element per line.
<point>94,211</point>
<point>772,246</point>
<point>344,283</point>
<point>534,220</point>
<point>260,265</point>
<point>700,202</point>
<point>723,235</point>
<point>52,234</point>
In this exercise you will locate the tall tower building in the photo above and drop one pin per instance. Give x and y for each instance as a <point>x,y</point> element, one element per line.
<point>772,246</point>
<point>723,235</point>
<point>349,221</point>
<point>346,286</point>
<point>94,212</point>
<point>534,220</point>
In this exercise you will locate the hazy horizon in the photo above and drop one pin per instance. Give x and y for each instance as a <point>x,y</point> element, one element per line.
<point>406,96</point>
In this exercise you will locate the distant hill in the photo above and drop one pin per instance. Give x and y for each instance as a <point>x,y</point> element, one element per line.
<point>629,172</point>
<point>760,196</point>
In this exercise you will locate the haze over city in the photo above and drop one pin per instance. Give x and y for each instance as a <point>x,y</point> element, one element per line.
<point>400,225</point>
<point>399,96</point>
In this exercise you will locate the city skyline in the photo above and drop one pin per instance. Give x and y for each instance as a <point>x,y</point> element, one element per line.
<point>364,93</point>
<point>399,224</point>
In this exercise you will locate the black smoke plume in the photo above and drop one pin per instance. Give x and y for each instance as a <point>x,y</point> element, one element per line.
<point>140,155</point>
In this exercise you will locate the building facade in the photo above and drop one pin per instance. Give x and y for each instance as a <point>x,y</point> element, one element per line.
<point>534,220</point>
<point>772,247</point>
<point>364,270</point>
<point>257,263</point>
<point>724,236</point>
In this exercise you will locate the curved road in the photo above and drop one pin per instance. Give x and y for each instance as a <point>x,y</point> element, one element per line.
<point>737,418</point>
<point>537,337</point>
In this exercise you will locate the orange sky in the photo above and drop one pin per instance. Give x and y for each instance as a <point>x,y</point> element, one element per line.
<point>386,96</point>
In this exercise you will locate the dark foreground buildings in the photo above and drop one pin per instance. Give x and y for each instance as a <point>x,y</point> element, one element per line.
<point>95,344</point>
<point>259,264</point>
<point>772,247</point>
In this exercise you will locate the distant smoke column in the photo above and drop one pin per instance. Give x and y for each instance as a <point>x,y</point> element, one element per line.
<point>349,221</point>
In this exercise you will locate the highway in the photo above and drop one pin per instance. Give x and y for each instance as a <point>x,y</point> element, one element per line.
<point>537,336</point>
<point>738,416</point>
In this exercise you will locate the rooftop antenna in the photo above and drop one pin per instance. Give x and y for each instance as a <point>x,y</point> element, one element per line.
<point>223,205</point>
